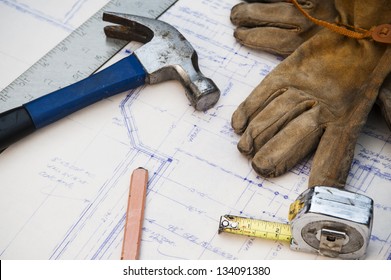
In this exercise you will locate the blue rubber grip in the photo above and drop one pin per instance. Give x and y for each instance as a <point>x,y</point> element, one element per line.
<point>126,74</point>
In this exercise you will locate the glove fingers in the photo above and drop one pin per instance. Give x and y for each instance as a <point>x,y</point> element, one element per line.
<point>272,119</point>
<point>270,39</point>
<point>290,146</point>
<point>334,156</point>
<point>282,15</point>
<point>268,90</point>
<point>254,103</point>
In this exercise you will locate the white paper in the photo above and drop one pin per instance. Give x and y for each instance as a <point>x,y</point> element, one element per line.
<point>63,190</point>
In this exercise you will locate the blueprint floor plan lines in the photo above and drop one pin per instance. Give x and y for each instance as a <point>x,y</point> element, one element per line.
<point>37,26</point>
<point>64,189</point>
<point>51,14</point>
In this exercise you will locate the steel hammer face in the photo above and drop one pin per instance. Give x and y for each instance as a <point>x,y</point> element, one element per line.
<point>165,55</point>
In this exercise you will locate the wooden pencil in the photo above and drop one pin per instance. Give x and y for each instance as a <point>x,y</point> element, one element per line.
<point>135,214</point>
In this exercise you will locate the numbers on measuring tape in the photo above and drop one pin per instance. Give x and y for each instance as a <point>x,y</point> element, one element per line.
<point>255,228</point>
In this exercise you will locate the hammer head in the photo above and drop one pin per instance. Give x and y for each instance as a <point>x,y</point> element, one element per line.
<point>165,55</point>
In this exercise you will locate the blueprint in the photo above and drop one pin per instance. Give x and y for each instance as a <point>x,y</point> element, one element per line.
<point>63,190</point>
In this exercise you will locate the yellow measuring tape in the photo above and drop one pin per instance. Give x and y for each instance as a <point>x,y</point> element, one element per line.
<point>260,228</point>
<point>255,228</point>
<point>322,220</point>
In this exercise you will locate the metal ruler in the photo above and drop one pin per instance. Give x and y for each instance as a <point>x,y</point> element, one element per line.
<point>79,55</point>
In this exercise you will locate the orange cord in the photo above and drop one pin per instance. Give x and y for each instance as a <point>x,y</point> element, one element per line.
<point>357,33</point>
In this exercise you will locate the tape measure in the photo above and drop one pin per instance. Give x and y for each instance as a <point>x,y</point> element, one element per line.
<point>323,220</point>
<point>260,228</point>
<point>79,55</point>
<point>255,228</point>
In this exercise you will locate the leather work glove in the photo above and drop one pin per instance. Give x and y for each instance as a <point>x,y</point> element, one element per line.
<point>319,97</point>
<point>277,26</point>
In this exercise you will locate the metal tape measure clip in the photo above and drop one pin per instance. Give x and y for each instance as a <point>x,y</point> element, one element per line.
<point>323,220</point>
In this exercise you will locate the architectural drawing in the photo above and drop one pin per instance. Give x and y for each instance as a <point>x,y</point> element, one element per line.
<point>63,190</point>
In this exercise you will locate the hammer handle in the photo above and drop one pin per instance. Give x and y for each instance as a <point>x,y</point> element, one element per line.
<point>125,74</point>
<point>14,125</point>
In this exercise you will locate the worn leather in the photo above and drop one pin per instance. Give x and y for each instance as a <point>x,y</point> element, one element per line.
<point>277,26</point>
<point>318,98</point>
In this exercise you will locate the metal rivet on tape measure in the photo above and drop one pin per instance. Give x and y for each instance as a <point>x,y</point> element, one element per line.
<point>324,220</point>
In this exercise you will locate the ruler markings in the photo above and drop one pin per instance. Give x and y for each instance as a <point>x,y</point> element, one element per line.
<point>76,57</point>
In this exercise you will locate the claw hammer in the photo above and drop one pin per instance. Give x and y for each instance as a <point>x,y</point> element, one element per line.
<point>165,55</point>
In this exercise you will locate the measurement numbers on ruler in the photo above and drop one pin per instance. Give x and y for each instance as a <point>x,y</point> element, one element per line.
<point>76,57</point>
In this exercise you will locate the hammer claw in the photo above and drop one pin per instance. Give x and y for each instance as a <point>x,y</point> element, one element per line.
<point>166,55</point>
<point>140,23</point>
<point>127,33</point>
<point>128,29</point>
